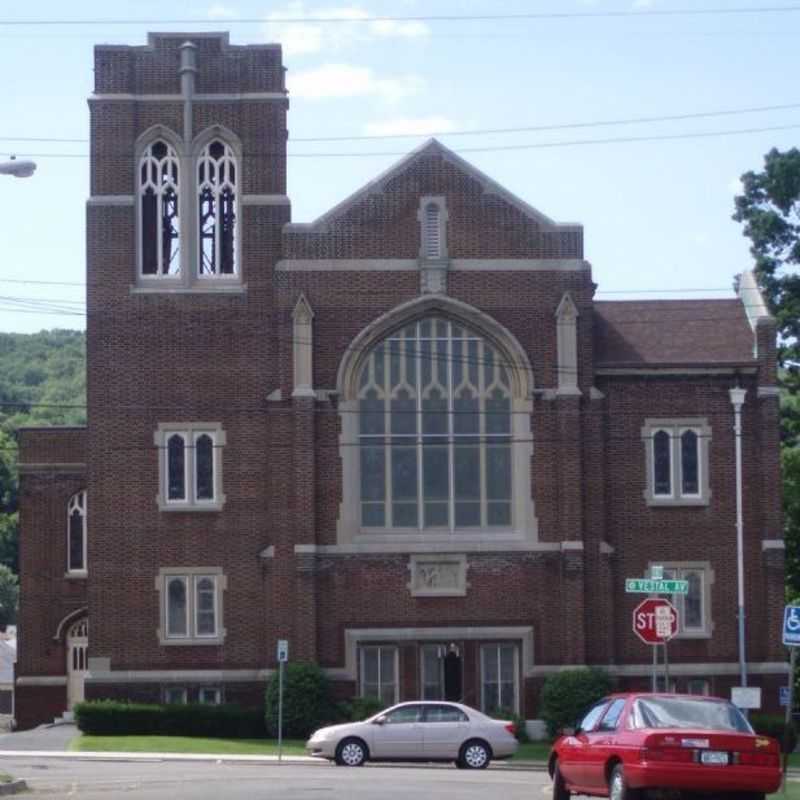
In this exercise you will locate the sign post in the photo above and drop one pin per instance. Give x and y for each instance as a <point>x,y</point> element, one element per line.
<point>664,623</point>
<point>283,657</point>
<point>791,639</point>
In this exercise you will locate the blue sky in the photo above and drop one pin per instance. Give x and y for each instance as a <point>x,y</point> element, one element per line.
<point>656,213</point>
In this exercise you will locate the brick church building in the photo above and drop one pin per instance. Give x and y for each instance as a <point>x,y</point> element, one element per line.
<point>404,436</point>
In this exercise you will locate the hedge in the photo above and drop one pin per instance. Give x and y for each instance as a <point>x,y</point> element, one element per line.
<point>114,718</point>
<point>307,703</point>
<point>567,695</point>
<point>774,725</point>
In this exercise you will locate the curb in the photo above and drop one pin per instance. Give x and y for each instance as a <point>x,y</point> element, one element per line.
<point>14,787</point>
<point>529,766</point>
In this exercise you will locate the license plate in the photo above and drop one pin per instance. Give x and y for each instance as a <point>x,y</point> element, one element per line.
<point>715,757</point>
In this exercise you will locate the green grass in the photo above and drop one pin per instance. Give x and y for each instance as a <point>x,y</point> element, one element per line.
<point>533,751</point>
<point>185,744</point>
<point>5,777</point>
<point>792,792</point>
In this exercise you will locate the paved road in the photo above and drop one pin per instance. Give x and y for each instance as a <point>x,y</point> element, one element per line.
<point>83,780</point>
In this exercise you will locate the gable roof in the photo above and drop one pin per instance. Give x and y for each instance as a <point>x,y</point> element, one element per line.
<point>432,147</point>
<point>638,333</point>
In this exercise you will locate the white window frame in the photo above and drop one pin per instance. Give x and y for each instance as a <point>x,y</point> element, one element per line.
<point>675,428</point>
<point>377,648</point>
<point>214,691</point>
<point>679,569</point>
<point>496,646</point>
<point>191,577</point>
<point>191,432</point>
<point>78,501</point>
<point>182,690</point>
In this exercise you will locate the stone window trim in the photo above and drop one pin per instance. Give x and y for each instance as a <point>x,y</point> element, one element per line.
<point>438,575</point>
<point>190,431</point>
<point>176,695</point>
<point>675,427</point>
<point>524,527</point>
<point>681,567</point>
<point>188,279</point>
<point>433,245</point>
<point>77,504</point>
<point>191,574</point>
<point>209,695</point>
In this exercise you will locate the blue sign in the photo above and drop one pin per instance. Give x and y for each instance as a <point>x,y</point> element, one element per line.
<point>791,626</point>
<point>784,696</point>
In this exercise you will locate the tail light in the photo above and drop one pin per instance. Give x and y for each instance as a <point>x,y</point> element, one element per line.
<point>757,759</point>
<point>511,728</point>
<point>668,755</point>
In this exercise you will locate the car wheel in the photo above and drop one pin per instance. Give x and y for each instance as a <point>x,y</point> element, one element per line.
<point>618,788</point>
<point>351,753</point>
<point>560,791</point>
<point>475,754</point>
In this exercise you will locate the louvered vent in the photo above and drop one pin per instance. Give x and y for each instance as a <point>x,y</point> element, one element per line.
<point>432,232</point>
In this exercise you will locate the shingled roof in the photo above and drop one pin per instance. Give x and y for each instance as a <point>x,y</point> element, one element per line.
<point>640,333</point>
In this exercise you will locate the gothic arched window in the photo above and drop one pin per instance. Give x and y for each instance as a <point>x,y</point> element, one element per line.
<point>76,532</point>
<point>216,192</point>
<point>158,210</point>
<point>435,433</point>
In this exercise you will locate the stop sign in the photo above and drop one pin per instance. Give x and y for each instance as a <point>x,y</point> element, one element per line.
<point>655,621</point>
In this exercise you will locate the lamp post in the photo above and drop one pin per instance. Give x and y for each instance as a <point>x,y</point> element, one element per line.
<point>19,168</point>
<point>737,400</point>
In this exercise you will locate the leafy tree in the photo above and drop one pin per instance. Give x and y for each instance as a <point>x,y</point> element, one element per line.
<point>9,593</point>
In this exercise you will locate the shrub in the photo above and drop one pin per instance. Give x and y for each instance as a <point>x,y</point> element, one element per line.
<point>365,707</point>
<point>566,695</point>
<point>306,701</point>
<point>111,717</point>
<point>774,725</point>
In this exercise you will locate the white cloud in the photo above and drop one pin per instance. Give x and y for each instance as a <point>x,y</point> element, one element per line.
<point>421,126</point>
<point>219,11</point>
<point>348,80</point>
<point>302,38</point>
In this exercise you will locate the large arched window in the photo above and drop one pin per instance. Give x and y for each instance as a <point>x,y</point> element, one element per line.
<point>76,533</point>
<point>159,227</point>
<point>216,191</point>
<point>435,431</point>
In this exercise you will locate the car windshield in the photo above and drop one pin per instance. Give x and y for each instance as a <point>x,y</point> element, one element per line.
<point>681,712</point>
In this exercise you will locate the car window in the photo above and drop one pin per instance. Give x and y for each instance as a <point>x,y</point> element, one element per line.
<point>444,714</point>
<point>611,717</point>
<point>404,714</point>
<point>593,715</point>
<point>684,712</point>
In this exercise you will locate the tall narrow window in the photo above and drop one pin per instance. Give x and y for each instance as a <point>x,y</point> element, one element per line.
<point>158,210</point>
<point>662,464</point>
<point>204,467</point>
<point>435,431</point>
<point>177,607</point>
<point>379,673</point>
<point>432,231</point>
<point>499,677</point>
<point>216,188</point>
<point>690,483</point>
<point>176,467</point>
<point>205,605</point>
<point>76,532</point>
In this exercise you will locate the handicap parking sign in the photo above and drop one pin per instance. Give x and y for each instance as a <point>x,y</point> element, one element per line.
<point>791,626</point>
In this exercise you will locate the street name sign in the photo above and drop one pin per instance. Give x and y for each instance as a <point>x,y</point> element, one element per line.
<point>655,620</point>
<point>651,586</point>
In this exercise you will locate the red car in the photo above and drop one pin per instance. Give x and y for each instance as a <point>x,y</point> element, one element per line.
<point>628,743</point>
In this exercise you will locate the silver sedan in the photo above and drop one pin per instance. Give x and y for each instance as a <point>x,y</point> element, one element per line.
<point>423,731</point>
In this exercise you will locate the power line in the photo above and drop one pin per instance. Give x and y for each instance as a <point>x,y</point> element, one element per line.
<point>481,149</point>
<point>489,131</point>
<point>513,17</point>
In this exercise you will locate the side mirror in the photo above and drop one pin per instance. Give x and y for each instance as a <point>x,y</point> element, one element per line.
<point>381,720</point>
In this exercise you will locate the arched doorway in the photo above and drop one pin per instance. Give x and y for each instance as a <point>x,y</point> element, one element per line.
<point>77,661</point>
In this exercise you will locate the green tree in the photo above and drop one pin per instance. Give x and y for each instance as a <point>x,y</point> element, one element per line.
<point>9,594</point>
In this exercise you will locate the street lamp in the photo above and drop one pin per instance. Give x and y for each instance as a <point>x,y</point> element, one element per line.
<point>737,396</point>
<point>19,168</point>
